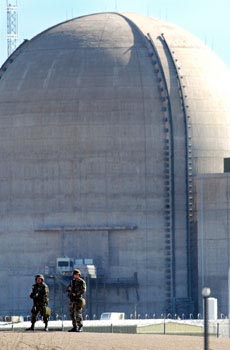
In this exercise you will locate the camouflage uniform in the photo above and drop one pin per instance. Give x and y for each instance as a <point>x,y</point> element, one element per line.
<point>76,289</point>
<point>40,296</point>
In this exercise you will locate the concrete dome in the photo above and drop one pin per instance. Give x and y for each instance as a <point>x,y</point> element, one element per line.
<point>105,119</point>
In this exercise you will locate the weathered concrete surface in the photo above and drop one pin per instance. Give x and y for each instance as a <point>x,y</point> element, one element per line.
<point>213,221</point>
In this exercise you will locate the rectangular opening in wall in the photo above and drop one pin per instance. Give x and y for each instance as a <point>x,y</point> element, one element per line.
<point>227,165</point>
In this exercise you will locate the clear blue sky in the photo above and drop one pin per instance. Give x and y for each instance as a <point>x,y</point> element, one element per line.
<point>207,19</point>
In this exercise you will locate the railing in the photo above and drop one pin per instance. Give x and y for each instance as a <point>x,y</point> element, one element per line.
<point>168,173</point>
<point>188,150</point>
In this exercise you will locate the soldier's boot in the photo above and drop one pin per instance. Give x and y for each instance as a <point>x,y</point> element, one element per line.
<point>46,326</point>
<point>79,327</point>
<point>74,329</point>
<point>31,328</point>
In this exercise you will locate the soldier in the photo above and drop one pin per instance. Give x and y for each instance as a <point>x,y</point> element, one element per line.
<point>40,294</point>
<point>75,290</point>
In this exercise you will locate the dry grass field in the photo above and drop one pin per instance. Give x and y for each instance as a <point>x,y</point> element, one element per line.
<point>105,341</point>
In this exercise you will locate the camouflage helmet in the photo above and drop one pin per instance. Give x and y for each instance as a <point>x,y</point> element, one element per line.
<point>76,271</point>
<point>39,276</point>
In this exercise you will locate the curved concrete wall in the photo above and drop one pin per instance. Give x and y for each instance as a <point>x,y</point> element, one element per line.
<point>82,147</point>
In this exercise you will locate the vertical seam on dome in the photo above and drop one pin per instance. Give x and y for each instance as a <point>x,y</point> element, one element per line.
<point>169,212</point>
<point>188,168</point>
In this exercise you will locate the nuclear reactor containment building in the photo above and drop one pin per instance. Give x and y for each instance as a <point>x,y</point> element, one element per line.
<point>114,149</point>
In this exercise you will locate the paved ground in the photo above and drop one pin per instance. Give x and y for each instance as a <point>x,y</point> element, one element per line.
<point>105,341</point>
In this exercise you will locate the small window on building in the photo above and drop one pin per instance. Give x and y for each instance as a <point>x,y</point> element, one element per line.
<point>227,165</point>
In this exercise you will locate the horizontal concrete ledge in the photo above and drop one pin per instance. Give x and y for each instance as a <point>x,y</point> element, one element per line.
<point>85,228</point>
<point>217,328</point>
<point>125,326</point>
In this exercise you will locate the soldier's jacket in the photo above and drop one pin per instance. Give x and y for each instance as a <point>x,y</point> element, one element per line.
<point>40,294</point>
<point>76,286</point>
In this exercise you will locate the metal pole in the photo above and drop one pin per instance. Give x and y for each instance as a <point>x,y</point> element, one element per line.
<point>62,308</point>
<point>206,293</point>
<point>229,302</point>
<point>205,323</point>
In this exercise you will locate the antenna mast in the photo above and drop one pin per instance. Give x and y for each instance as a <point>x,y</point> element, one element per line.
<point>12,26</point>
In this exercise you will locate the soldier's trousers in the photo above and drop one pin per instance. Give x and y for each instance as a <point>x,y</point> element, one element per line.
<point>36,309</point>
<point>76,313</point>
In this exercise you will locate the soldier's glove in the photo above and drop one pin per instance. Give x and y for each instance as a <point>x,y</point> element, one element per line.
<point>34,295</point>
